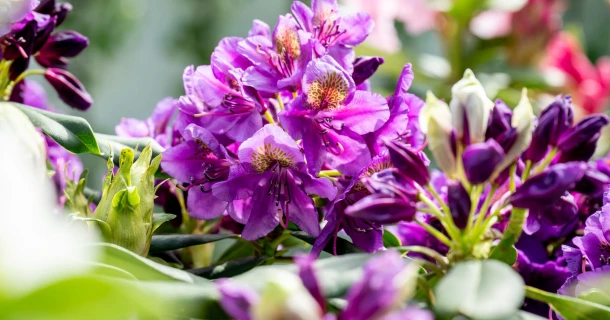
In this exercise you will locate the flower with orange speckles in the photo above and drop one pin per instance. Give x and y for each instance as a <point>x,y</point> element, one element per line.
<point>330,116</point>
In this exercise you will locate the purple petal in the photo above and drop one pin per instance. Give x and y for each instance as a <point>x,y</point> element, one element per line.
<point>204,205</point>
<point>404,80</point>
<point>344,56</point>
<point>264,215</point>
<point>236,300</point>
<point>262,79</point>
<point>240,186</point>
<point>370,240</point>
<point>301,210</point>
<point>320,69</point>
<point>309,278</point>
<point>357,27</point>
<point>328,232</point>
<point>303,14</point>
<point>366,112</point>
<point>354,155</point>
<point>382,209</point>
<point>259,28</point>
<point>481,159</point>
<point>226,57</point>
<point>321,187</point>
<point>270,139</point>
<point>130,127</point>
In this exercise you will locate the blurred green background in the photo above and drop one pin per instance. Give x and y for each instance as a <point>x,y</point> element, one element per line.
<point>139,49</point>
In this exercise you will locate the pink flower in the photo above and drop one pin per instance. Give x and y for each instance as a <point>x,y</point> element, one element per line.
<point>589,83</point>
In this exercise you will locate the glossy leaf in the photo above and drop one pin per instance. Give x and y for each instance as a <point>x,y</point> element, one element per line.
<point>73,133</point>
<point>569,307</point>
<point>116,144</point>
<point>229,268</point>
<point>343,245</point>
<point>390,240</point>
<point>480,290</point>
<point>141,268</point>
<point>160,218</point>
<point>162,243</point>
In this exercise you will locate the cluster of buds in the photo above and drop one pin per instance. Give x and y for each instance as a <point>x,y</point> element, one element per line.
<point>33,36</point>
<point>124,214</point>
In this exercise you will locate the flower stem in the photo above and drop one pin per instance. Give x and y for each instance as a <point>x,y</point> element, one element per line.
<point>485,206</point>
<point>512,184</point>
<point>279,101</point>
<point>526,172</point>
<point>475,194</point>
<point>444,205</point>
<point>453,231</point>
<point>329,173</point>
<point>515,226</point>
<point>437,234</point>
<point>269,117</point>
<point>9,88</point>
<point>439,258</point>
<point>546,161</point>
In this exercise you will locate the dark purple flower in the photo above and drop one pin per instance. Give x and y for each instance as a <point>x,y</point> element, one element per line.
<point>383,287</point>
<point>499,121</point>
<point>560,213</point>
<point>274,177</point>
<point>547,187</point>
<point>574,259</point>
<point>594,182</point>
<point>61,45</point>
<point>236,299</point>
<point>201,162</point>
<point>329,27</point>
<point>70,90</point>
<point>408,162</point>
<point>156,126</point>
<point>278,59</point>
<point>403,123</point>
<point>365,67</point>
<point>365,234</point>
<point>331,115</point>
<point>412,234</point>
<point>585,130</point>
<point>481,159</point>
<point>598,279</point>
<point>547,276</point>
<point>554,120</point>
<point>59,10</point>
<point>458,201</point>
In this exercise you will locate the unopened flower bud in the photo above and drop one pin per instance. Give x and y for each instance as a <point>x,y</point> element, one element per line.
<point>408,162</point>
<point>61,45</point>
<point>547,187</point>
<point>470,108</point>
<point>582,132</point>
<point>458,201</point>
<point>383,209</point>
<point>499,121</point>
<point>523,122</point>
<point>285,297</point>
<point>481,159</point>
<point>365,67</point>
<point>435,121</point>
<point>70,90</point>
<point>553,122</point>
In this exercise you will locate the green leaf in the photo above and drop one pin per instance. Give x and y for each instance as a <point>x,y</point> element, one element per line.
<point>238,250</point>
<point>229,268</point>
<point>162,243</point>
<point>116,144</point>
<point>142,268</point>
<point>160,218</point>
<point>569,307</point>
<point>505,253</point>
<point>596,296</point>
<point>390,240</point>
<point>73,133</point>
<point>480,290</point>
<point>343,246</point>
<point>86,297</point>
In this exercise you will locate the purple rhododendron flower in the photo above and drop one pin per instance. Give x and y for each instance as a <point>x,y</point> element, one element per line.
<point>595,244</point>
<point>365,234</point>
<point>329,27</point>
<point>217,99</point>
<point>383,288</point>
<point>156,126</point>
<point>331,115</point>
<point>273,176</point>
<point>279,59</point>
<point>236,299</point>
<point>201,162</point>
<point>403,123</point>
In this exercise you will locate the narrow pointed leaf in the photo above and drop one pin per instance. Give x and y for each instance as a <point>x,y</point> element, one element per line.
<point>162,243</point>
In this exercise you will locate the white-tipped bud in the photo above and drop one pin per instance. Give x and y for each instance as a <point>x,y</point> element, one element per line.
<point>523,121</point>
<point>470,106</point>
<point>285,297</point>
<point>435,121</point>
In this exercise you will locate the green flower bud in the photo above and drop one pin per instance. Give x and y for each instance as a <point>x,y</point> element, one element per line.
<point>435,121</point>
<point>76,201</point>
<point>127,201</point>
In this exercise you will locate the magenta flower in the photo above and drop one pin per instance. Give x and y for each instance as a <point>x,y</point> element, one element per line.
<point>403,123</point>
<point>156,126</point>
<point>279,59</point>
<point>364,233</point>
<point>274,179</point>
<point>201,162</point>
<point>331,115</point>
<point>595,244</point>
<point>329,27</point>
<point>217,99</point>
